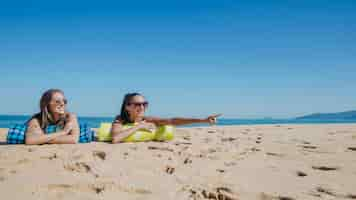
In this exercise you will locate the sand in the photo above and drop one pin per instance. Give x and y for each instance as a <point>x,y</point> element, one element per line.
<point>234,162</point>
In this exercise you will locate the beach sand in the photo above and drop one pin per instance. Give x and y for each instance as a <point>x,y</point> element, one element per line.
<point>234,162</point>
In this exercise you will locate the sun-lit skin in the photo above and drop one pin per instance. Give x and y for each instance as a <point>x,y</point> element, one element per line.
<point>136,109</point>
<point>57,109</point>
<point>137,113</point>
<point>57,106</point>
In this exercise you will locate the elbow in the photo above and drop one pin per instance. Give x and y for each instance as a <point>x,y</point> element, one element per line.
<point>115,139</point>
<point>29,141</point>
<point>74,140</point>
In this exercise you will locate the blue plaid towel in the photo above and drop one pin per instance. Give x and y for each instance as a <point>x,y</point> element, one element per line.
<point>16,134</point>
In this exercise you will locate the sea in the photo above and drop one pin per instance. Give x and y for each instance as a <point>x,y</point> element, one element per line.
<point>7,121</point>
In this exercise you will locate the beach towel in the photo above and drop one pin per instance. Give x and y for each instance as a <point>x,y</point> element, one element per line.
<point>16,133</point>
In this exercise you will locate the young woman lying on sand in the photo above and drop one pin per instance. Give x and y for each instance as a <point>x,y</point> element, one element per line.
<point>53,112</point>
<point>132,111</point>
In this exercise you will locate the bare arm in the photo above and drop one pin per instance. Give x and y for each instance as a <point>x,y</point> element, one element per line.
<point>174,121</point>
<point>119,133</point>
<point>35,135</point>
<point>181,121</point>
<point>73,136</point>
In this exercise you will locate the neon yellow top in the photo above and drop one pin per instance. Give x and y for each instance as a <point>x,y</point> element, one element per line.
<point>162,133</point>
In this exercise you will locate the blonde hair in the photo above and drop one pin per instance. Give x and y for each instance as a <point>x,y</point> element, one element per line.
<point>44,116</point>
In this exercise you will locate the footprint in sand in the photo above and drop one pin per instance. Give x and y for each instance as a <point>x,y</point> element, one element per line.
<point>80,167</point>
<point>308,147</point>
<point>254,149</point>
<point>228,139</point>
<point>351,148</point>
<point>77,187</point>
<point>169,170</point>
<point>326,168</point>
<point>264,196</point>
<point>351,196</point>
<point>23,161</point>
<point>2,178</point>
<point>96,188</point>
<point>187,161</point>
<point>50,157</point>
<point>301,174</point>
<point>99,154</point>
<point>219,193</point>
<point>186,138</point>
<point>160,148</point>
<point>182,143</point>
<point>319,191</point>
<point>229,164</point>
<point>274,154</point>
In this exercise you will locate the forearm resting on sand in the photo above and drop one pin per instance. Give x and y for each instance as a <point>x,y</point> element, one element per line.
<point>119,134</point>
<point>40,138</point>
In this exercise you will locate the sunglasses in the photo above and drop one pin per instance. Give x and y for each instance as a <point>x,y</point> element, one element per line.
<point>60,102</point>
<point>138,104</point>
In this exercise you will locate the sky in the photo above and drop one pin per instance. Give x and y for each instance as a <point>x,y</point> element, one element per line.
<point>244,59</point>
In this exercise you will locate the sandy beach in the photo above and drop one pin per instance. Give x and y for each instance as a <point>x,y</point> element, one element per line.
<point>234,162</point>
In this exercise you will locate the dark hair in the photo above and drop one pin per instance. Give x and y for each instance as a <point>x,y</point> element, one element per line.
<point>124,115</point>
<point>44,116</point>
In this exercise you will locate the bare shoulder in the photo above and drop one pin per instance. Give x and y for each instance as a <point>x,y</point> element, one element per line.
<point>34,127</point>
<point>71,116</point>
<point>117,120</point>
<point>33,123</point>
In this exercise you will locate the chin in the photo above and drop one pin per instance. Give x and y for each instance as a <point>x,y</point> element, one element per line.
<point>141,114</point>
<point>60,112</point>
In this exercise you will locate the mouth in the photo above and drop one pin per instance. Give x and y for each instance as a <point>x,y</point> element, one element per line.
<point>60,109</point>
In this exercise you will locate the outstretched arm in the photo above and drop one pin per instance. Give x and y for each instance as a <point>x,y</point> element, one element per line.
<point>177,121</point>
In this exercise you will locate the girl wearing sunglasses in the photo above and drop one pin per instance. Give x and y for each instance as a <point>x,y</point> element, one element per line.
<point>52,113</point>
<point>133,109</point>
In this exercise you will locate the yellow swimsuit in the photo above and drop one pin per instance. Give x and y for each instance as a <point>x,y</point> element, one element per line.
<point>162,133</point>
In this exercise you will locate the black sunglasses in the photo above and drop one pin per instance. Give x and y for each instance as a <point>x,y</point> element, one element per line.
<point>137,104</point>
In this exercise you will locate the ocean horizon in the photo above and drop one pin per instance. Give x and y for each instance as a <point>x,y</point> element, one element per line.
<point>7,121</point>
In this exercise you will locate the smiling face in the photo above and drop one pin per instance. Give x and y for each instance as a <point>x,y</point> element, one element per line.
<point>136,107</point>
<point>58,103</point>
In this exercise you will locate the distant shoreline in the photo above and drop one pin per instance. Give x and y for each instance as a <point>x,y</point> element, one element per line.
<point>8,120</point>
<point>249,125</point>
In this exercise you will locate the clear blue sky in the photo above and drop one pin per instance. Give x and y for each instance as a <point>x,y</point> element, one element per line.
<point>245,59</point>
